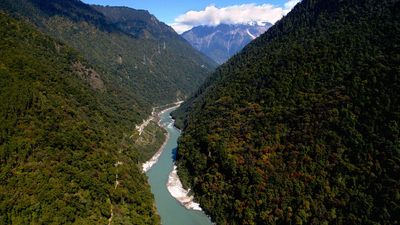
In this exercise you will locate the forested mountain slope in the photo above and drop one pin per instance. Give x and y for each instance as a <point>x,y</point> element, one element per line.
<point>158,77</point>
<point>302,126</point>
<point>63,139</point>
<point>142,24</point>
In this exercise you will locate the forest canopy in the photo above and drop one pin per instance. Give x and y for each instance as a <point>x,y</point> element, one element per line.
<point>301,126</point>
<point>63,137</point>
<point>153,75</point>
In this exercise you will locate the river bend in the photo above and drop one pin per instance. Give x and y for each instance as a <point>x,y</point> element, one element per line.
<point>170,210</point>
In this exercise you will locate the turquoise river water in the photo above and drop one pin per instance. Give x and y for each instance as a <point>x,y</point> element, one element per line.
<point>170,210</point>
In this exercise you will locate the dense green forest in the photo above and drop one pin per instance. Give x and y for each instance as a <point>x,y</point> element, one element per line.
<point>142,24</point>
<point>302,126</point>
<point>65,137</point>
<point>150,141</point>
<point>157,77</point>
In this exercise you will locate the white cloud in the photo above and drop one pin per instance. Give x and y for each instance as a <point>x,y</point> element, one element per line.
<point>232,15</point>
<point>290,4</point>
<point>180,28</point>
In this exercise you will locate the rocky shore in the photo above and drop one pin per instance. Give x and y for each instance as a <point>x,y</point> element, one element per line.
<point>147,165</point>
<point>177,191</point>
<point>174,184</point>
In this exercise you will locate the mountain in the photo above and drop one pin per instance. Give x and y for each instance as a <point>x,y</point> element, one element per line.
<point>142,24</point>
<point>222,41</point>
<point>155,76</point>
<point>66,156</point>
<point>301,126</point>
<point>73,87</point>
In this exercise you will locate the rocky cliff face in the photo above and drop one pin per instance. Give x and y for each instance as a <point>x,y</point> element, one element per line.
<point>222,41</point>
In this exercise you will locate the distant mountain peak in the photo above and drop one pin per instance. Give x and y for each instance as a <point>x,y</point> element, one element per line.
<point>257,23</point>
<point>220,42</point>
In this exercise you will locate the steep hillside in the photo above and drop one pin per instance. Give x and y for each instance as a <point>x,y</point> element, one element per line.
<point>156,76</point>
<point>64,137</point>
<point>142,24</point>
<point>222,41</point>
<point>302,126</point>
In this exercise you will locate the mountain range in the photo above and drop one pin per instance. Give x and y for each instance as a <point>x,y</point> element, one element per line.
<point>224,40</point>
<point>142,24</point>
<point>134,59</point>
<point>301,126</point>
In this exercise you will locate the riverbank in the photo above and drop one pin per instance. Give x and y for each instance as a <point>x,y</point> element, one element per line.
<point>171,199</point>
<point>165,110</point>
<point>147,165</point>
<point>174,184</point>
<point>175,188</point>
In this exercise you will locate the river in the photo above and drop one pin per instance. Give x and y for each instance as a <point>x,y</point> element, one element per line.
<point>170,210</point>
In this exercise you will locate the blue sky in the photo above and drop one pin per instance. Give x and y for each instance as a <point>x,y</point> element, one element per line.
<point>184,14</point>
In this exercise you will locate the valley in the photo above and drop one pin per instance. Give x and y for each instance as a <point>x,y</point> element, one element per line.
<point>74,88</point>
<point>291,123</point>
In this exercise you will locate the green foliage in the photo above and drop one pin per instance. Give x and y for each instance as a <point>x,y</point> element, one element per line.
<point>62,127</point>
<point>149,142</point>
<point>143,25</point>
<point>155,77</point>
<point>301,127</point>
